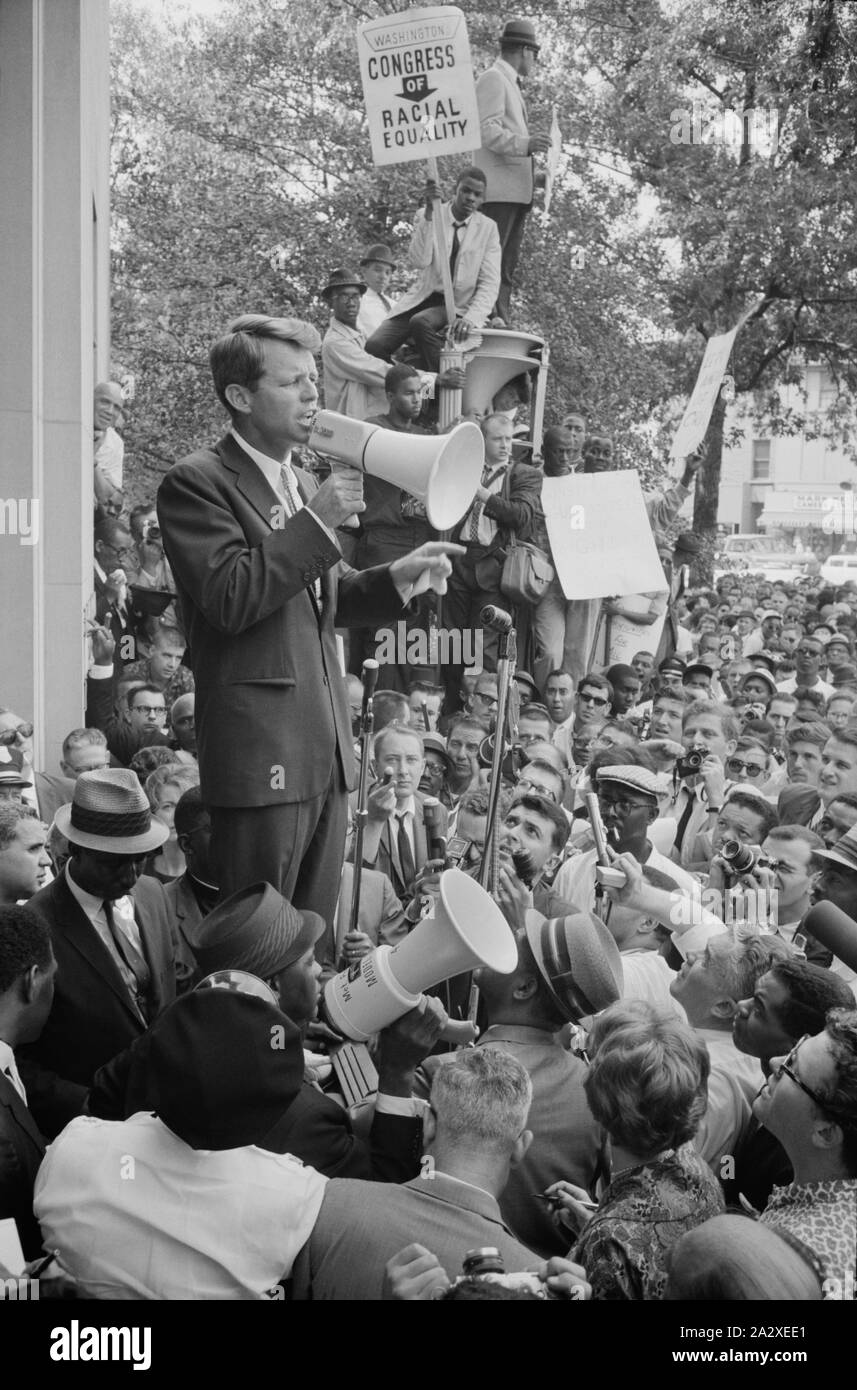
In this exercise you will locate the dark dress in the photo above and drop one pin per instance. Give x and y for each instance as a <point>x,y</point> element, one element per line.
<point>624,1247</point>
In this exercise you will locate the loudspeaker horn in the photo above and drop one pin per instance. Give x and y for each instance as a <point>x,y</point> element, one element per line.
<point>443,470</point>
<point>467,929</point>
<point>501,356</point>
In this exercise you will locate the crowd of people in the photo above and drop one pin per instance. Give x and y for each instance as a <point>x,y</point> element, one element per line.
<point>661,1099</point>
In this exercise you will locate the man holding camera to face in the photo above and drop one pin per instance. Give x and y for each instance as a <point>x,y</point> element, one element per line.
<point>710,733</point>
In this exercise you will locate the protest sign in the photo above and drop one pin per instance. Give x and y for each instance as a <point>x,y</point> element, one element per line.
<point>418,85</point>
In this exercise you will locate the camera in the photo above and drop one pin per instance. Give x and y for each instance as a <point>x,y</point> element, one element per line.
<point>743,859</point>
<point>457,852</point>
<point>487,1263</point>
<point>514,758</point>
<point>151,532</point>
<point>690,764</point>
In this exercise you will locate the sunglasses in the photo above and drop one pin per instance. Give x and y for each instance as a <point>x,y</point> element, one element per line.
<point>739,768</point>
<point>592,699</point>
<point>20,731</point>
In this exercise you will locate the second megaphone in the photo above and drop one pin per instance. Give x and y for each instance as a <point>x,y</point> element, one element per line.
<point>443,470</point>
<point>467,929</point>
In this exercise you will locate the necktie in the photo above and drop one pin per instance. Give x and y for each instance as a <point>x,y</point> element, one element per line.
<point>406,854</point>
<point>294,502</point>
<point>681,829</point>
<point>479,506</point>
<point>134,970</point>
<point>456,246</point>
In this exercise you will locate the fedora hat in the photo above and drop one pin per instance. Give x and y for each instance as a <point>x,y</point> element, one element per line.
<point>843,852</point>
<point>521,31</point>
<point>579,962</point>
<point>11,768</point>
<point>379,253</point>
<point>341,279</point>
<point>109,811</point>
<point>257,930</point>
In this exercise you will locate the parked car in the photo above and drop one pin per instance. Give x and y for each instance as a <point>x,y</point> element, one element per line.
<point>751,553</point>
<point>839,569</point>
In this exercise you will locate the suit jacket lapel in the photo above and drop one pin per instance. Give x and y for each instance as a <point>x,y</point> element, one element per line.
<point>249,479</point>
<point>19,1113</point>
<point>79,932</point>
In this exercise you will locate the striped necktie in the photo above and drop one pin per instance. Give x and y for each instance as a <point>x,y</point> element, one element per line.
<point>294,502</point>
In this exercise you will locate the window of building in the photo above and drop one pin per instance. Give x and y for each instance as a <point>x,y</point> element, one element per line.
<point>761,459</point>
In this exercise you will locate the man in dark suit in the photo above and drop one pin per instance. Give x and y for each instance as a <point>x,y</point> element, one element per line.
<point>396,837</point>
<point>115,953</point>
<point>261,585</point>
<point>27,969</point>
<point>506,505</point>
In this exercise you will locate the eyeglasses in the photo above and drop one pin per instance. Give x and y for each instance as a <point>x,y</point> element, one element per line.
<point>739,768</point>
<point>807,651</point>
<point>592,699</point>
<point>539,791</point>
<point>150,709</point>
<point>486,699</point>
<point>623,806</point>
<point>20,731</point>
<point>787,1067</point>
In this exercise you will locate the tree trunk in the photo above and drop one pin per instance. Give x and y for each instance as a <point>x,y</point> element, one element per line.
<point>707,493</point>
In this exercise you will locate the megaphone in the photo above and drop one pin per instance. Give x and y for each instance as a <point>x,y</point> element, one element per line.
<point>466,929</point>
<point>501,356</point>
<point>443,470</point>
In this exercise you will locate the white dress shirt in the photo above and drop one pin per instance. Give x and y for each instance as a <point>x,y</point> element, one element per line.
<point>10,1070</point>
<point>193,1224</point>
<point>734,1082</point>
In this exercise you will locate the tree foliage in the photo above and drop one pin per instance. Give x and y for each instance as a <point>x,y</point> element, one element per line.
<point>242,172</point>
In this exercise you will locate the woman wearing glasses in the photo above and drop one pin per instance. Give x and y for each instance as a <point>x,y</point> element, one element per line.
<point>809,1103</point>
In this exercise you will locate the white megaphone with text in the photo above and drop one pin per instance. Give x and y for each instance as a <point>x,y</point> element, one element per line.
<point>443,470</point>
<point>466,930</point>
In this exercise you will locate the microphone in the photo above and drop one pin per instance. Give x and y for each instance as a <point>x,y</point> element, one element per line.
<point>496,618</point>
<point>432,817</point>
<point>369,677</point>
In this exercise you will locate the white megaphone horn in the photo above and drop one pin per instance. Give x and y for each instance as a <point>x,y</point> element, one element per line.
<point>467,929</point>
<point>443,470</point>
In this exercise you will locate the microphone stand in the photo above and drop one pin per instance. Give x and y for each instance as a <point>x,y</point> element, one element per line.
<point>367,720</point>
<point>507,655</point>
<point>506,659</point>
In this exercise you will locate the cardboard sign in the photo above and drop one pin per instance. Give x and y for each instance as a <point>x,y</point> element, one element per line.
<point>627,638</point>
<point>698,410</point>
<point>601,541</point>
<point>418,85</point>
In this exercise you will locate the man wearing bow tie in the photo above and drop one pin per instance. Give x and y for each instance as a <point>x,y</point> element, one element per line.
<point>472,245</point>
<point>261,583</point>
